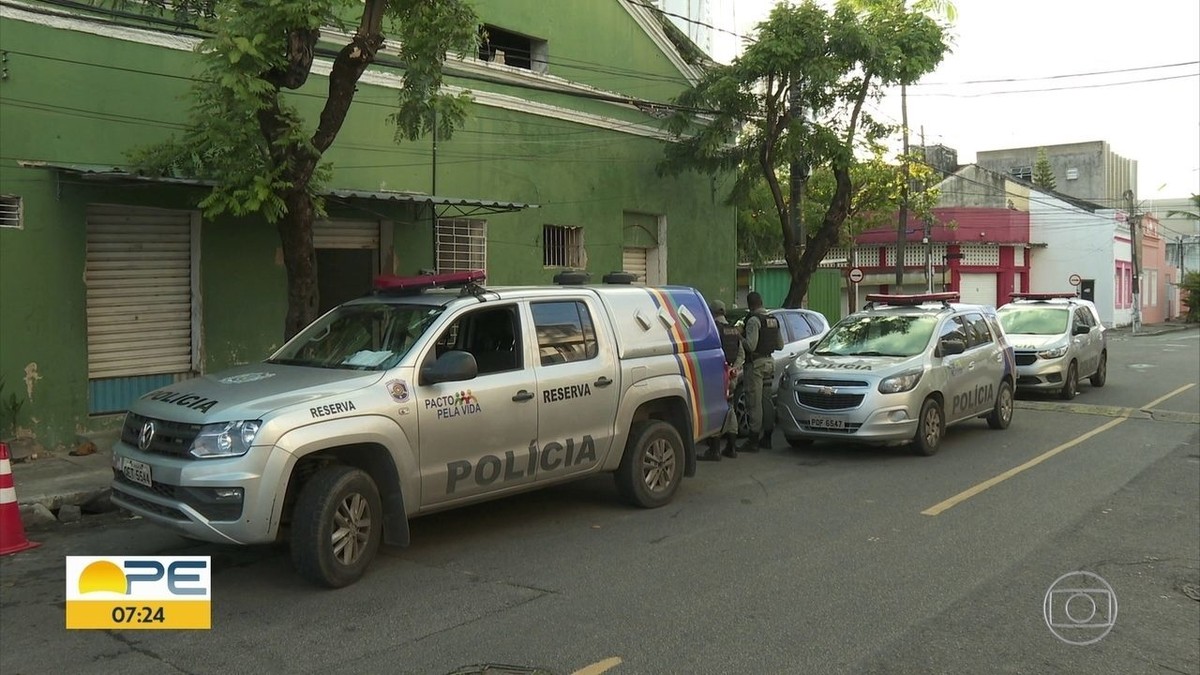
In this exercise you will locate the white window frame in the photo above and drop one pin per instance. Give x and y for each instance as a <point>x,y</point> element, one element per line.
<point>12,212</point>
<point>563,247</point>
<point>460,244</point>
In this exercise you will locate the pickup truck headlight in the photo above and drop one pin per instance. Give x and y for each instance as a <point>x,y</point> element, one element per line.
<point>900,382</point>
<point>225,439</point>
<point>1055,353</point>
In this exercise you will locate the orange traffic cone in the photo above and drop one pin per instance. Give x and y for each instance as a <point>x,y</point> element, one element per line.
<point>12,532</point>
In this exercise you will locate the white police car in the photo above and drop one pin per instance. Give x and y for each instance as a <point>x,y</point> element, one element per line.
<point>903,369</point>
<point>1058,339</point>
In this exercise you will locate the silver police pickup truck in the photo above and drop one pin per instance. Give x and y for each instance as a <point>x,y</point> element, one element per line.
<point>422,398</point>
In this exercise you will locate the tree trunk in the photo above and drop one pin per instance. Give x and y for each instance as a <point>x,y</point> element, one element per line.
<point>802,267</point>
<point>300,262</point>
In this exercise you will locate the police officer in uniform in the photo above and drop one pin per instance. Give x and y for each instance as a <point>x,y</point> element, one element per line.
<point>735,356</point>
<point>763,335</point>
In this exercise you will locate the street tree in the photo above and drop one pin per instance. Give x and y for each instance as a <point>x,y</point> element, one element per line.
<point>878,191</point>
<point>1043,175</point>
<point>839,60</point>
<point>247,136</point>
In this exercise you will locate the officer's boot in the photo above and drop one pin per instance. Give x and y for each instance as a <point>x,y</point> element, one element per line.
<point>712,452</point>
<point>750,444</point>
<point>730,446</point>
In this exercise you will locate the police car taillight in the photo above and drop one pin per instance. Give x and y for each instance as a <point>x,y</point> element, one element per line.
<point>1042,296</point>
<point>911,300</point>
<point>390,283</point>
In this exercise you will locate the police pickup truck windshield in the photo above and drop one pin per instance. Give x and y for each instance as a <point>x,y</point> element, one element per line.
<point>1033,320</point>
<point>359,336</point>
<point>878,336</point>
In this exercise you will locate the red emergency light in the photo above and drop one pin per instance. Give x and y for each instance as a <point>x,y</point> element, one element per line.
<point>390,283</point>
<point>918,299</point>
<point>1042,296</point>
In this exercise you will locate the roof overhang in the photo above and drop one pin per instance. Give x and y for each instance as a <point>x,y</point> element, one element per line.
<point>459,207</point>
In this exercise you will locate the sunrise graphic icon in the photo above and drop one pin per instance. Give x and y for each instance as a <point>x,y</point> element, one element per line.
<point>103,576</point>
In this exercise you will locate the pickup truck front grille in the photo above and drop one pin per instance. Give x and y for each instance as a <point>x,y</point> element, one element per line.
<point>170,438</point>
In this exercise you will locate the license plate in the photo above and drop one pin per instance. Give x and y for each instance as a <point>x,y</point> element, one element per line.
<point>826,423</point>
<point>138,472</point>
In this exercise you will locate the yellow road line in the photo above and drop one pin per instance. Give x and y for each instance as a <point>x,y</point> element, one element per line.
<point>996,480</point>
<point>599,667</point>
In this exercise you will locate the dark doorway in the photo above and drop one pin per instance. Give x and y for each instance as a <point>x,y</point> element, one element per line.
<point>344,274</point>
<point>1087,289</point>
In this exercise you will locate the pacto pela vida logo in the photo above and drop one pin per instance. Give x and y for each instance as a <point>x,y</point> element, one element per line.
<point>139,592</point>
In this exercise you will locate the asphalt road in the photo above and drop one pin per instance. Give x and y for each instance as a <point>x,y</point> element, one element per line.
<point>833,559</point>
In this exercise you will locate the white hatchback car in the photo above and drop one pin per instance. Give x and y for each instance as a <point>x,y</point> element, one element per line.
<point>802,328</point>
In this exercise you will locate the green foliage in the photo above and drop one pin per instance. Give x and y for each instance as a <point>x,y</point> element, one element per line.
<point>843,59</point>
<point>1190,215</point>
<point>10,410</point>
<point>1190,286</point>
<point>1043,175</point>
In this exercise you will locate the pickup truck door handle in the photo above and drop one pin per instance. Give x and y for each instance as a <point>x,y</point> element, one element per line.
<point>522,395</point>
<point>603,382</point>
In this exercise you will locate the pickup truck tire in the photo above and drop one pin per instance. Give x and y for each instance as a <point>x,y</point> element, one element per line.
<point>337,525</point>
<point>652,466</point>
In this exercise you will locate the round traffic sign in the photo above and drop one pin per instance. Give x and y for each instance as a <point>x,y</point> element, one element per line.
<point>1074,279</point>
<point>856,275</point>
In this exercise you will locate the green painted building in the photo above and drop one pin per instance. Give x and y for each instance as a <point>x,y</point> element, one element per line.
<point>112,284</point>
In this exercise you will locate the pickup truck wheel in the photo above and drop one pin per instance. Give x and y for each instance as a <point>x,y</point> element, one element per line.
<point>652,465</point>
<point>336,526</point>
<point>739,409</point>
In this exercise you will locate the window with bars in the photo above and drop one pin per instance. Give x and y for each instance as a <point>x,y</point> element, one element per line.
<point>563,247</point>
<point>461,244</point>
<point>1021,172</point>
<point>12,212</point>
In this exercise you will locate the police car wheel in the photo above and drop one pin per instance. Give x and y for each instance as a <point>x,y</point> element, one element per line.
<point>1002,412</point>
<point>931,425</point>
<point>1070,384</point>
<point>1101,375</point>
<point>336,526</point>
<point>652,465</point>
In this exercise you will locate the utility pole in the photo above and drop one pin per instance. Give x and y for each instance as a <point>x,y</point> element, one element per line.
<point>799,169</point>
<point>1135,239</point>
<point>927,239</point>
<point>902,227</point>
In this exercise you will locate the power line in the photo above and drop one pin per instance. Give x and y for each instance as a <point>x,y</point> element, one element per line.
<point>1055,77</point>
<point>687,19</point>
<point>1067,88</point>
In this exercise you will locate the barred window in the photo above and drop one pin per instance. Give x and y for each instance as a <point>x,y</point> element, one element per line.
<point>461,244</point>
<point>563,247</point>
<point>1021,172</point>
<point>11,212</point>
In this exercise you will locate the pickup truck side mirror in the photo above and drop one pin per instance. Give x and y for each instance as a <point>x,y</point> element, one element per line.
<point>1081,329</point>
<point>952,346</point>
<point>452,366</point>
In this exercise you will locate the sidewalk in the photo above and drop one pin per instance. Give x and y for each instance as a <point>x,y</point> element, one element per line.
<point>56,479</point>
<point>1151,329</point>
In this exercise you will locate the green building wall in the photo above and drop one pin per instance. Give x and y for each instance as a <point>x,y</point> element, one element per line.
<point>83,99</point>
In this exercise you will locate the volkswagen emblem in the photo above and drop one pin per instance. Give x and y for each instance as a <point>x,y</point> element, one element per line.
<point>828,391</point>
<point>146,437</point>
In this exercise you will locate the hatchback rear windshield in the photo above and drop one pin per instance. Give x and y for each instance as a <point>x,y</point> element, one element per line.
<point>1034,320</point>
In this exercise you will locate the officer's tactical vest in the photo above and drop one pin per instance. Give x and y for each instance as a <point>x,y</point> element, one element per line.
<point>731,341</point>
<point>768,335</point>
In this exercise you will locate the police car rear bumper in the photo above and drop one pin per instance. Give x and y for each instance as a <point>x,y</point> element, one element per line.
<point>184,497</point>
<point>892,423</point>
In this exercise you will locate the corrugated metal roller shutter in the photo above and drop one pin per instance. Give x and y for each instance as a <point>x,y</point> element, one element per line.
<point>346,234</point>
<point>633,260</point>
<point>139,291</point>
